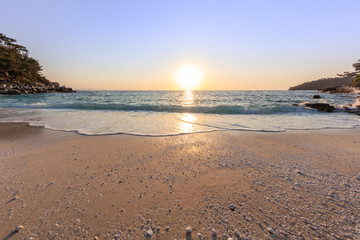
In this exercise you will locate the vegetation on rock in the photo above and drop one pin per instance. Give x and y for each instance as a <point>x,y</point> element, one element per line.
<point>323,83</point>
<point>20,73</point>
<point>16,64</point>
<point>355,74</point>
<point>351,79</point>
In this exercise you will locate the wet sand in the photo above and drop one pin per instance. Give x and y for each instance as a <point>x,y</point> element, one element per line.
<point>243,185</point>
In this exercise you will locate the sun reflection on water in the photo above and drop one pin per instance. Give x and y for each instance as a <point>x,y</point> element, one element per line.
<point>188,98</point>
<point>186,124</point>
<point>186,119</point>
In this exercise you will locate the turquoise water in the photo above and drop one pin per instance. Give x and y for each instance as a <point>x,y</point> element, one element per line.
<point>157,113</point>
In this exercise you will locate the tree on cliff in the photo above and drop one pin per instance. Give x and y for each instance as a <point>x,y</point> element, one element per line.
<point>356,74</point>
<point>356,81</point>
<point>16,64</point>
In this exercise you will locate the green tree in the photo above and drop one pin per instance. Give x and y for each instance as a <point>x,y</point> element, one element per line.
<point>356,81</point>
<point>356,74</point>
<point>16,64</point>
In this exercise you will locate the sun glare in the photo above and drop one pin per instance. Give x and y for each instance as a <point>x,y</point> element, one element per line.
<point>188,77</point>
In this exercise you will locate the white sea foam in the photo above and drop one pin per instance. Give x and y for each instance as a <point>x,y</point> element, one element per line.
<point>161,124</point>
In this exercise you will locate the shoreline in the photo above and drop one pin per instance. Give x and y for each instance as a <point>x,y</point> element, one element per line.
<point>293,184</point>
<point>351,130</point>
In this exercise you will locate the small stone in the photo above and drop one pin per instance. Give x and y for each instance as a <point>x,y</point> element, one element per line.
<point>270,230</point>
<point>298,172</point>
<point>96,238</point>
<point>237,233</point>
<point>149,233</point>
<point>188,229</point>
<point>213,232</point>
<point>19,228</point>
<point>13,199</point>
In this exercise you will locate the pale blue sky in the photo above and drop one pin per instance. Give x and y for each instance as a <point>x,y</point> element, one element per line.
<point>140,44</point>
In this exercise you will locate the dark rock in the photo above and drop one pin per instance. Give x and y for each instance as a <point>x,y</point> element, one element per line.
<point>55,85</point>
<point>16,87</point>
<point>324,107</point>
<point>316,96</point>
<point>339,89</point>
<point>357,112</point>
<point>65,89</point>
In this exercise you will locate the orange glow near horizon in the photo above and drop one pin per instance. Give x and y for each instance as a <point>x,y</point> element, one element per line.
<point>167,78</point>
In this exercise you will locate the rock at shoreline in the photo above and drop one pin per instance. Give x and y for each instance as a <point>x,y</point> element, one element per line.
<point>316,96</point>
<point>339,89</point>
<point>10,87</point>
<point>324,107</point>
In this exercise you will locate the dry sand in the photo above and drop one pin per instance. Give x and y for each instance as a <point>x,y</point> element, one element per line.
<point>294,185</point>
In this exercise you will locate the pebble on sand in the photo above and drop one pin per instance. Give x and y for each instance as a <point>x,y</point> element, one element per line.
<point>188,229</point>
<point>13,199</point>
<point>298,172</point>
<point>149,233</point>
<point>213,232</point>
<point>19,228</point>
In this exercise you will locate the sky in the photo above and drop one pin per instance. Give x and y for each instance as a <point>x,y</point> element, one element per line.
<point>140,45</point>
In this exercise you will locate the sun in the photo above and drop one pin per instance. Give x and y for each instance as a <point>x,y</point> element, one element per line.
<point>188,77</point>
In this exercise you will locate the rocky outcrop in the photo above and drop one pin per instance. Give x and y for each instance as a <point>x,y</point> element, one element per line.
<point>326,107</point>
<point>17,87</point>
<point>353,108</point>
<point>323,107</point>
<point>340,89</point>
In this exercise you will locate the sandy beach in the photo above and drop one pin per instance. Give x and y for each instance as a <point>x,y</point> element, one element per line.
<point>239,185</point>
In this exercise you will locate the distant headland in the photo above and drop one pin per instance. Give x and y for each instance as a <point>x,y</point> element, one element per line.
<point>351,79</point>
<point>20,73</point>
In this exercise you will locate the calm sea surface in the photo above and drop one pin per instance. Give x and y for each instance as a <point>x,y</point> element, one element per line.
<point>156,113</point>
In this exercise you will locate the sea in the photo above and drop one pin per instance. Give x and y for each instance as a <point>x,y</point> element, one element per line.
<point>167,113</point>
